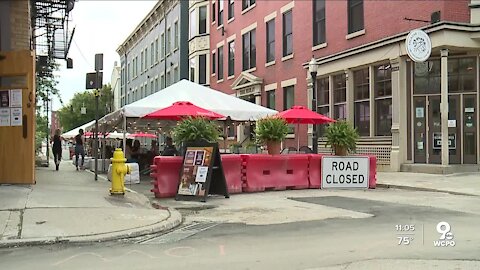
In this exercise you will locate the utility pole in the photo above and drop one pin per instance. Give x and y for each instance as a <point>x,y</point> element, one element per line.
<point>98,86</point>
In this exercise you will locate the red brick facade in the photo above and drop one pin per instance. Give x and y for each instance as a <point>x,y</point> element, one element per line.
<point>382,19</point>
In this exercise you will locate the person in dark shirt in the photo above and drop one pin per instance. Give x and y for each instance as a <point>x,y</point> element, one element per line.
<point>79,150</point>
<point>57,149</point>
<point>170,149</point>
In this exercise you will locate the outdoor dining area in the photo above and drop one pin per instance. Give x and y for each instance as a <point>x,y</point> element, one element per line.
<point>187,112</point>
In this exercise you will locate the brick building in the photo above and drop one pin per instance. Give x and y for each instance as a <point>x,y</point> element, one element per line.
<point>260,51</point>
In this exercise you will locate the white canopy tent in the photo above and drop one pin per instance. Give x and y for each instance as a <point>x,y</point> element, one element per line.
<point>202,96</point>
<point>237,109</point>
<point>72,133</point>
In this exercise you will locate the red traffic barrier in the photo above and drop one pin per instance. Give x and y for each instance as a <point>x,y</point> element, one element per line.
<point>372,181</point>
<point>232,168</point>
<point>276,172</point>
<point>314,170</point>
<point>165,174</point>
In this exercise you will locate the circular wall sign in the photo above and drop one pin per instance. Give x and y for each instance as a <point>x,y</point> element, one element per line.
<point>419,45</point>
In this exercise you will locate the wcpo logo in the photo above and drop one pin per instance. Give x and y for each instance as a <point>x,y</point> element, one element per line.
<point>446,236</point>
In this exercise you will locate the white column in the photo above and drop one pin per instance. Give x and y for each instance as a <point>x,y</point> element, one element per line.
<point>350,96</point>
<point>444,105</point>
<point>399,118</point>
<point>371,91</point>
<point>258,99</point>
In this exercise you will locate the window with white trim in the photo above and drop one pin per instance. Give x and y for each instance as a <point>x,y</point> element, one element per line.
<point>361,90</point>
<point>287,33</point>
<point>249,50</point>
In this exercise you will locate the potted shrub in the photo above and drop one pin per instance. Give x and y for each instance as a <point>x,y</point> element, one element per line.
<point>342,137</point>
<point>271,131</point>
<point>195,129</point>
<point>235,148</point>
<point>251,148</point>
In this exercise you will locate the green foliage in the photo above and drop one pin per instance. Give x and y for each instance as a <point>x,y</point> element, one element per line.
<point>70,115</point>
<point>40,132</point>
<point>271,129</point>
<point>342,134</point>
<point>195,128</point>
<point>46,84</point>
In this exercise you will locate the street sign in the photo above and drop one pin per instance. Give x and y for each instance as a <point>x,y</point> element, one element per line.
<point>345,172</point>
<point>98,61</point>
<point>91,82</point>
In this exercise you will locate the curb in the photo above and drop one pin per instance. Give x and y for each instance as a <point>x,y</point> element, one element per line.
<point>173,220</point>
<point>379,185</point>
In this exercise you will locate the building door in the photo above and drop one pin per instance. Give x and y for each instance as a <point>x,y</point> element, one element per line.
<point>420,129</point>
<point>435,130</point>
<point>454,134</point>
<point>469,129</point>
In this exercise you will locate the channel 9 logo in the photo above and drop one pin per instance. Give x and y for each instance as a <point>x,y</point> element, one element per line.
<point>446,236</point>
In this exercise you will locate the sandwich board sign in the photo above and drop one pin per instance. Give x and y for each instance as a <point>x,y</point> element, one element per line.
<point>345,172</point>
<point>202,173</point>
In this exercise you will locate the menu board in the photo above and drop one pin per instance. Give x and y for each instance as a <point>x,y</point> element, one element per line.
<point>195,170</point>
<point>201,171</point>
<point>10,107</point>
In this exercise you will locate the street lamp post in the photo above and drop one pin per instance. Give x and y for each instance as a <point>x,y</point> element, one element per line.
<point>312,68</point>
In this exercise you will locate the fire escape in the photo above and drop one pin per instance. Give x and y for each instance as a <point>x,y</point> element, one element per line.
<point>51,35</point>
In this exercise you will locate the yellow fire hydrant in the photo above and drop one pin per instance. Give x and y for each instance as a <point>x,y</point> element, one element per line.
<point>119,170</point>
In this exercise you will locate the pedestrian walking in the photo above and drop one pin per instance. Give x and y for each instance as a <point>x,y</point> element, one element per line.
<point>57,149</point>
<point>79,150</point>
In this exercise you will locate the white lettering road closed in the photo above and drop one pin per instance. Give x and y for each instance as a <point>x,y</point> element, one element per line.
<point>345,172</point>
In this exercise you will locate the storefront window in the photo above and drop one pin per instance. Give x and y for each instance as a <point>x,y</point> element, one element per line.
<point>323,91</point>
<point>361,82</point>
<point>461,75</point>
<point>427,77</point>
<point>383,100</point>
<point>339,96</point>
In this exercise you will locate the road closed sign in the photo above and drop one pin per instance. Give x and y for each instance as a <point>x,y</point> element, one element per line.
<point>345,172</point>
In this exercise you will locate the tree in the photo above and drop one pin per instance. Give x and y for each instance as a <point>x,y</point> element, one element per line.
<point>46,86</point>
<point>71,116</point>
<point>46,83</point>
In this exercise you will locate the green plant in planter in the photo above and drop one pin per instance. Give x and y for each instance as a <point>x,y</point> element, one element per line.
<point>342,137</point>
<point>235,147</point>
<point>251,147</point>
<point>271,131</point>
<point>193,129</point>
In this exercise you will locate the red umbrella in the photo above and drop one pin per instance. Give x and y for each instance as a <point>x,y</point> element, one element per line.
<point>301,115</point>
<point>141,135</point>
<point>180,110</point>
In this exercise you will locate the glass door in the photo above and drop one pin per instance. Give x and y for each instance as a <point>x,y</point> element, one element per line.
<point>454,135</point>
<point>434,130</point>
<point>420,129</point>
<point>469,129</point>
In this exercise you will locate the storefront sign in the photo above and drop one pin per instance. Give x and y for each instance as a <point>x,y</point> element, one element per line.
<point>452,123</point>
<point>418,45</point>
<point>419,112</point>
<point>437,141</point>
<point>345,172</point>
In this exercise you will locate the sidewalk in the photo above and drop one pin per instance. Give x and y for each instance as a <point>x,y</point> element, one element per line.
<point>458,183</point>
<point>70,206</point>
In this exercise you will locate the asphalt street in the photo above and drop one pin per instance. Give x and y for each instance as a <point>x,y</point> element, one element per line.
<point>338,243</point>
